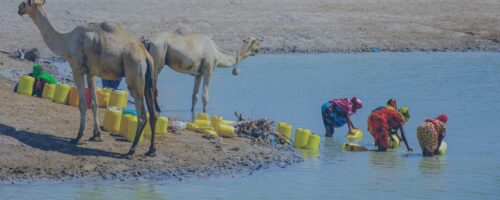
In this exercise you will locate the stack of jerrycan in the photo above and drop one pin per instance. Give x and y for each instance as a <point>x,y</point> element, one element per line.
<point>222,127</point>
<point>205,126</point>
<point>304,139</point>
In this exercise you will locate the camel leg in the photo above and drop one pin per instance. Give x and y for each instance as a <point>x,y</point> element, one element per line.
<point>197,82</point>
<point>206,83</point>
<point>93,104</point>
<point>80,84</point>
<point>152,121</point>
<point>141,123</point>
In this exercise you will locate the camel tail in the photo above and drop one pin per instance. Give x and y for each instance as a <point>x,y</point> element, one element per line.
<point>150,88</point>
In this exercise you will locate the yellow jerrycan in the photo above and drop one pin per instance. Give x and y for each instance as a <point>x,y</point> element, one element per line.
<point>25,85</point>
<point>112,119</point>
<point>301,136</point>
<point>61,93</point>
<point>313,142</point>
<point>285,130</point>
<point>48,91</point>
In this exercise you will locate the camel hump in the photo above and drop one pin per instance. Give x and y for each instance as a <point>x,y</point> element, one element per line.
<point>110,26</point>
<point>184,31</point>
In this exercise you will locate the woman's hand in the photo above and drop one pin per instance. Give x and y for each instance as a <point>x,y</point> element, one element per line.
<point>410,149</point>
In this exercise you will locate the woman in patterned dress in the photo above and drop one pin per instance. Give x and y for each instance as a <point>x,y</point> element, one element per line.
<point>337,112</point>
<point>431,133</point>
<point>380,124</point>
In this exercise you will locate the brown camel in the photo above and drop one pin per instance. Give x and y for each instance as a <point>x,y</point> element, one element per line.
<point>107,51</point>
<point>196,54</point>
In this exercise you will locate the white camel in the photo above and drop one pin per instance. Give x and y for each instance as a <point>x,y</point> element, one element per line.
<point>107,51</point>
<point>196,54</point>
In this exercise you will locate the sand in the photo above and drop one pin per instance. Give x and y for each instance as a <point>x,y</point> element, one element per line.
<point>35,143</point>
<point>284,25</point>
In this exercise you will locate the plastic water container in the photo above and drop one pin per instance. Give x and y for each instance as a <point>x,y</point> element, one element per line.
<point>118,98</point>
<point>192,126</point>
<point>25,86</point>
<point>210,134</point>
<point>132,130</point>
<point>353,147</point>
<point>285,130</point>
<point>228,122</point>
<point>203,116</point>
<point>358,134</point>
<point>204,129</point>
<point>216,122</point>
<point>162,126</point>
<point>124,124</point>
<point>112,119</point>
<point>61,93</point>
<point>73,99</point>
<point>226,131</point>
<point>48,91</point>
<point>391,144</point>
<point>442,149</point>
<point>202,123</point>
<point>102,96</point>
<point>301,136</point>
<point>313,142</point>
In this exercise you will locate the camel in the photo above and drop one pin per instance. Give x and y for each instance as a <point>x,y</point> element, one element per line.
<point>196,54</point>
<point>105,50</point>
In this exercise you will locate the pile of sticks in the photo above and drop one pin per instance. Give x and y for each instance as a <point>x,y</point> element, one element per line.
<point>259,130</point>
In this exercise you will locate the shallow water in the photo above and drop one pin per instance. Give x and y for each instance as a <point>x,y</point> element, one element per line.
<point>292,88</point>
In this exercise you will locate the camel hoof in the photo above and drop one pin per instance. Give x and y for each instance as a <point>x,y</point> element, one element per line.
<point>77,142</point>
<point>151,154</point>
<point>96,139</point>
<point>129,155</point>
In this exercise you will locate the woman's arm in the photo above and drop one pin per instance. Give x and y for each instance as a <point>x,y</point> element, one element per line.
<point>440,139</point>
<point>404,137</point>
<point>350,125</point>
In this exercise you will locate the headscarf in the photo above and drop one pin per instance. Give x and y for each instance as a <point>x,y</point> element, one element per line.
<point>356,104</point>
<point>37,71</point>
<point>343,104</point>
<point>443,118</point>
<point>392,103</point>
<point>405,113</point>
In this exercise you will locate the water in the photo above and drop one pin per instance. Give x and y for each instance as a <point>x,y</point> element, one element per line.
<point>292,88</point>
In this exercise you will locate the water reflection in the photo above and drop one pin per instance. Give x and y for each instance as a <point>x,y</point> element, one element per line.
<point>432,165</point>
<point>384,160</point>
<point>133,191</point>
<point>312,154</point>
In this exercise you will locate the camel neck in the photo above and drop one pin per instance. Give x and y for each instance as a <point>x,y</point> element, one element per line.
<point>55,40</point>
<point>226,59</point>
<point>229,59</point>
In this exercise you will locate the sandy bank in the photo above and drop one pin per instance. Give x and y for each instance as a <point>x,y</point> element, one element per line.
<point>285,25</point>
<point>35,144</point>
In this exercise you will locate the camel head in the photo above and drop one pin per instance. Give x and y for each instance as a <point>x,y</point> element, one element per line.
<point>28,7</point>
<point>251,47</point>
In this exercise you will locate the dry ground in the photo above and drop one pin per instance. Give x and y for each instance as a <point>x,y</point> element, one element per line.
<point>285,25</point>
<point>35,145</point>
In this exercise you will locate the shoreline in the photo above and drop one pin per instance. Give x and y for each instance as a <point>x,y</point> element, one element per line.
<point>35,138</point>
<point>14,72</point>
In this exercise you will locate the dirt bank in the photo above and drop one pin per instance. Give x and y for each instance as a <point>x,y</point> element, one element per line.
<point>285,25</point>
<point>35,144</point>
